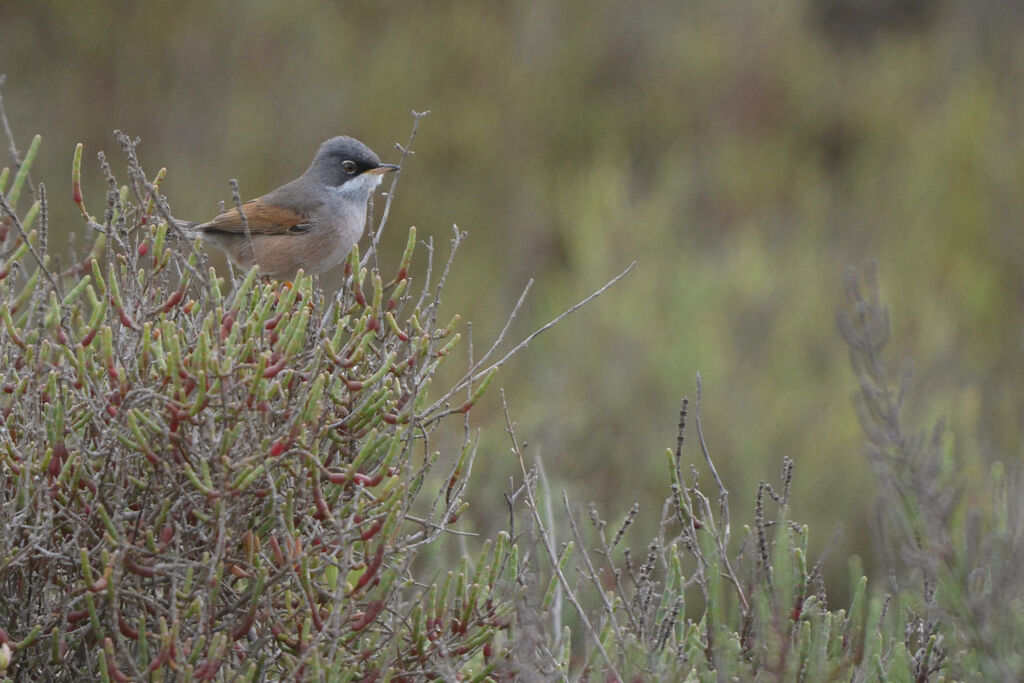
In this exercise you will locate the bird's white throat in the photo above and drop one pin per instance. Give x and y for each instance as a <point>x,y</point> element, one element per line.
<point>359,187</point>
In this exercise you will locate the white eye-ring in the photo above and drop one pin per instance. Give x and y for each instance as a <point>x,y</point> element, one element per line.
<point>349,166</point>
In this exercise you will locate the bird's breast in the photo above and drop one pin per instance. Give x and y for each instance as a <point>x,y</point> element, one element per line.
<point>343,219</point>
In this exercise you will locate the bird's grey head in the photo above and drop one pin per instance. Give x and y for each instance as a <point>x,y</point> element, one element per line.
<point>347,166</point>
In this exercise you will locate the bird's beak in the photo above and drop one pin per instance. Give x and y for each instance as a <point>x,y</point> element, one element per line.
<point>382,169</point>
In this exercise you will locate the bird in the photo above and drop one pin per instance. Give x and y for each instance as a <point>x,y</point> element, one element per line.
<point>311,223</point>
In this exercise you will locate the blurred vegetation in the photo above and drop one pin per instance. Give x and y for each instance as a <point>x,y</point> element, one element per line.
<point>742,153</point>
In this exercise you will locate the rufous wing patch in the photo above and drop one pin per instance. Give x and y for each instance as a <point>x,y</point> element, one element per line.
<point>263,218</point>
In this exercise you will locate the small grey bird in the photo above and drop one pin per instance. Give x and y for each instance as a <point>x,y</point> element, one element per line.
<point>311,223</point>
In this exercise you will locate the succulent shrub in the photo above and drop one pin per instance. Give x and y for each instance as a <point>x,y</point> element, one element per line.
<point>206,476</point>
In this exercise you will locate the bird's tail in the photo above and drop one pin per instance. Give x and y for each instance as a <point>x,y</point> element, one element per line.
<point>185,229</point>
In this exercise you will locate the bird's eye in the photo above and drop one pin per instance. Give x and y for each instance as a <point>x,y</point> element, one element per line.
<point>349,166</point>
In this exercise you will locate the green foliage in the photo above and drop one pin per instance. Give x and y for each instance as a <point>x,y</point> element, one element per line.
<point>694,608</point>
<point>954,558</point>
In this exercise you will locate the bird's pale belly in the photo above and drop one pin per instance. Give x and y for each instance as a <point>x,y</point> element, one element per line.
<point>280,256</point>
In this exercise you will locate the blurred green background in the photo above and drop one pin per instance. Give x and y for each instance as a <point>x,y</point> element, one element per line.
<point>742,153</point>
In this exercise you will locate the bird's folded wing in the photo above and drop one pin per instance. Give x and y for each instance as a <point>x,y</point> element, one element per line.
<point>262,218</point>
